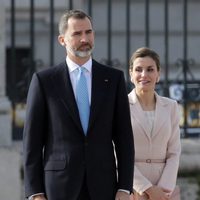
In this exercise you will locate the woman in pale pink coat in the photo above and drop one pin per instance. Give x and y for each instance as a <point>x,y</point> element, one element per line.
<point>155,123</point>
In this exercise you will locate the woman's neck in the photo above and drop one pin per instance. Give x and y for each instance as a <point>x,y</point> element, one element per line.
<point>147,100</point>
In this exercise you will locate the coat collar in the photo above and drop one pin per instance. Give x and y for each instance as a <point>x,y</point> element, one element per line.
<point>138,113</point>
<point>62,86</point>
<point>133,98</point>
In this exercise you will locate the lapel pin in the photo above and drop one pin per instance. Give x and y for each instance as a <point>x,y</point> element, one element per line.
<point>106,80</point>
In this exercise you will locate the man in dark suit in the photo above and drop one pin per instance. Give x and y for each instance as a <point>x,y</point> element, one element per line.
<point>64,159</point>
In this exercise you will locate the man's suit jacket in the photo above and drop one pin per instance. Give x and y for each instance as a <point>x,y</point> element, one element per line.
<point>162,143</point>
<point>57,154</point>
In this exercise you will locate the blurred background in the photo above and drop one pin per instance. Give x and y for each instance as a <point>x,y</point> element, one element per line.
<point>28,43</point>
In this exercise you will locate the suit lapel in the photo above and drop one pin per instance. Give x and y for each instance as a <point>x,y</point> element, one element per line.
<point>62,85</point>
<point>99,85</point>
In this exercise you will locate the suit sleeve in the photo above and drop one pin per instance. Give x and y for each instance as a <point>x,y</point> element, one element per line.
<point>33,138</point>
<point>124,143</point>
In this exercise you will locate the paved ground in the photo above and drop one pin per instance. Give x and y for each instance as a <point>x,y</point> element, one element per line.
<point>10,176</point>
<point>189,188</point>
<point>11,185</point>
<point>190,161</point>
<point>190,154</point>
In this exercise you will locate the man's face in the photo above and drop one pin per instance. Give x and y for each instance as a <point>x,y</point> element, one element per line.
<point>78,38</point>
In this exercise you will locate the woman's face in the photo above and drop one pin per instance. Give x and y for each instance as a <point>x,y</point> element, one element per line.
<point>144,73</point>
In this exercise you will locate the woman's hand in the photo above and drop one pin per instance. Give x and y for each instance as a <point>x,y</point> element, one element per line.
<point>157,193</point>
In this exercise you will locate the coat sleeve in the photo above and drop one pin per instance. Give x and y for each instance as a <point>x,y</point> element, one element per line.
<point>141,183</point>
<point>169,175</point>
<point>33,138</point>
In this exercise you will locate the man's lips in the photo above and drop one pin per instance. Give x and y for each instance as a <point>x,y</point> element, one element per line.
<point>85,47</point>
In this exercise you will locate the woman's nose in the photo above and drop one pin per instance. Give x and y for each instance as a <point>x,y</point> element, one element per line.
<point>143,73</point>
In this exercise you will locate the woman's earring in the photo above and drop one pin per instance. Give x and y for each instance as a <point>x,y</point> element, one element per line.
<point>131,79</point>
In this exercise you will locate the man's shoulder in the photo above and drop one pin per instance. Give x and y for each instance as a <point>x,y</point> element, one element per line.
<point>51,69</point>
<point>106,67</point>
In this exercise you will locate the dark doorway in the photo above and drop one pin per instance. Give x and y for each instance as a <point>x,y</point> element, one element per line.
<point>17,82</point>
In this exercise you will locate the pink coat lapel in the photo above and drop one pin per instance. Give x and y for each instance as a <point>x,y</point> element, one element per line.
<point>138,114</point>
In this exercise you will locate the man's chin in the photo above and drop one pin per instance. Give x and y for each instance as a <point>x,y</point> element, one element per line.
<point>84,54</point>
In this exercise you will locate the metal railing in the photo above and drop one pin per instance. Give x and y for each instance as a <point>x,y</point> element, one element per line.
<point>183,62</point>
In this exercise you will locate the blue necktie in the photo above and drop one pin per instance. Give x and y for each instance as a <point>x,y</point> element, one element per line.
<point>82,98</point>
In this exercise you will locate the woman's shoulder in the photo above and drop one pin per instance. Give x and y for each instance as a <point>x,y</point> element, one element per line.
<point>165,100</point>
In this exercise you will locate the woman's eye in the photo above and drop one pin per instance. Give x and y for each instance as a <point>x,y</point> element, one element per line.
<point>138,70</point>
<point>150,70</point>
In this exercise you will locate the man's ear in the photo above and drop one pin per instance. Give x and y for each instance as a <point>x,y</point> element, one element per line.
<point>61,40</point>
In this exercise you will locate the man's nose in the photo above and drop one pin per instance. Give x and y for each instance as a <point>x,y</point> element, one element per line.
<point>84,38</point>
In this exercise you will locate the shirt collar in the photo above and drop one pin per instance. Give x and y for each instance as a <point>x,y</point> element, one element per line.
<point>73,66</point>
